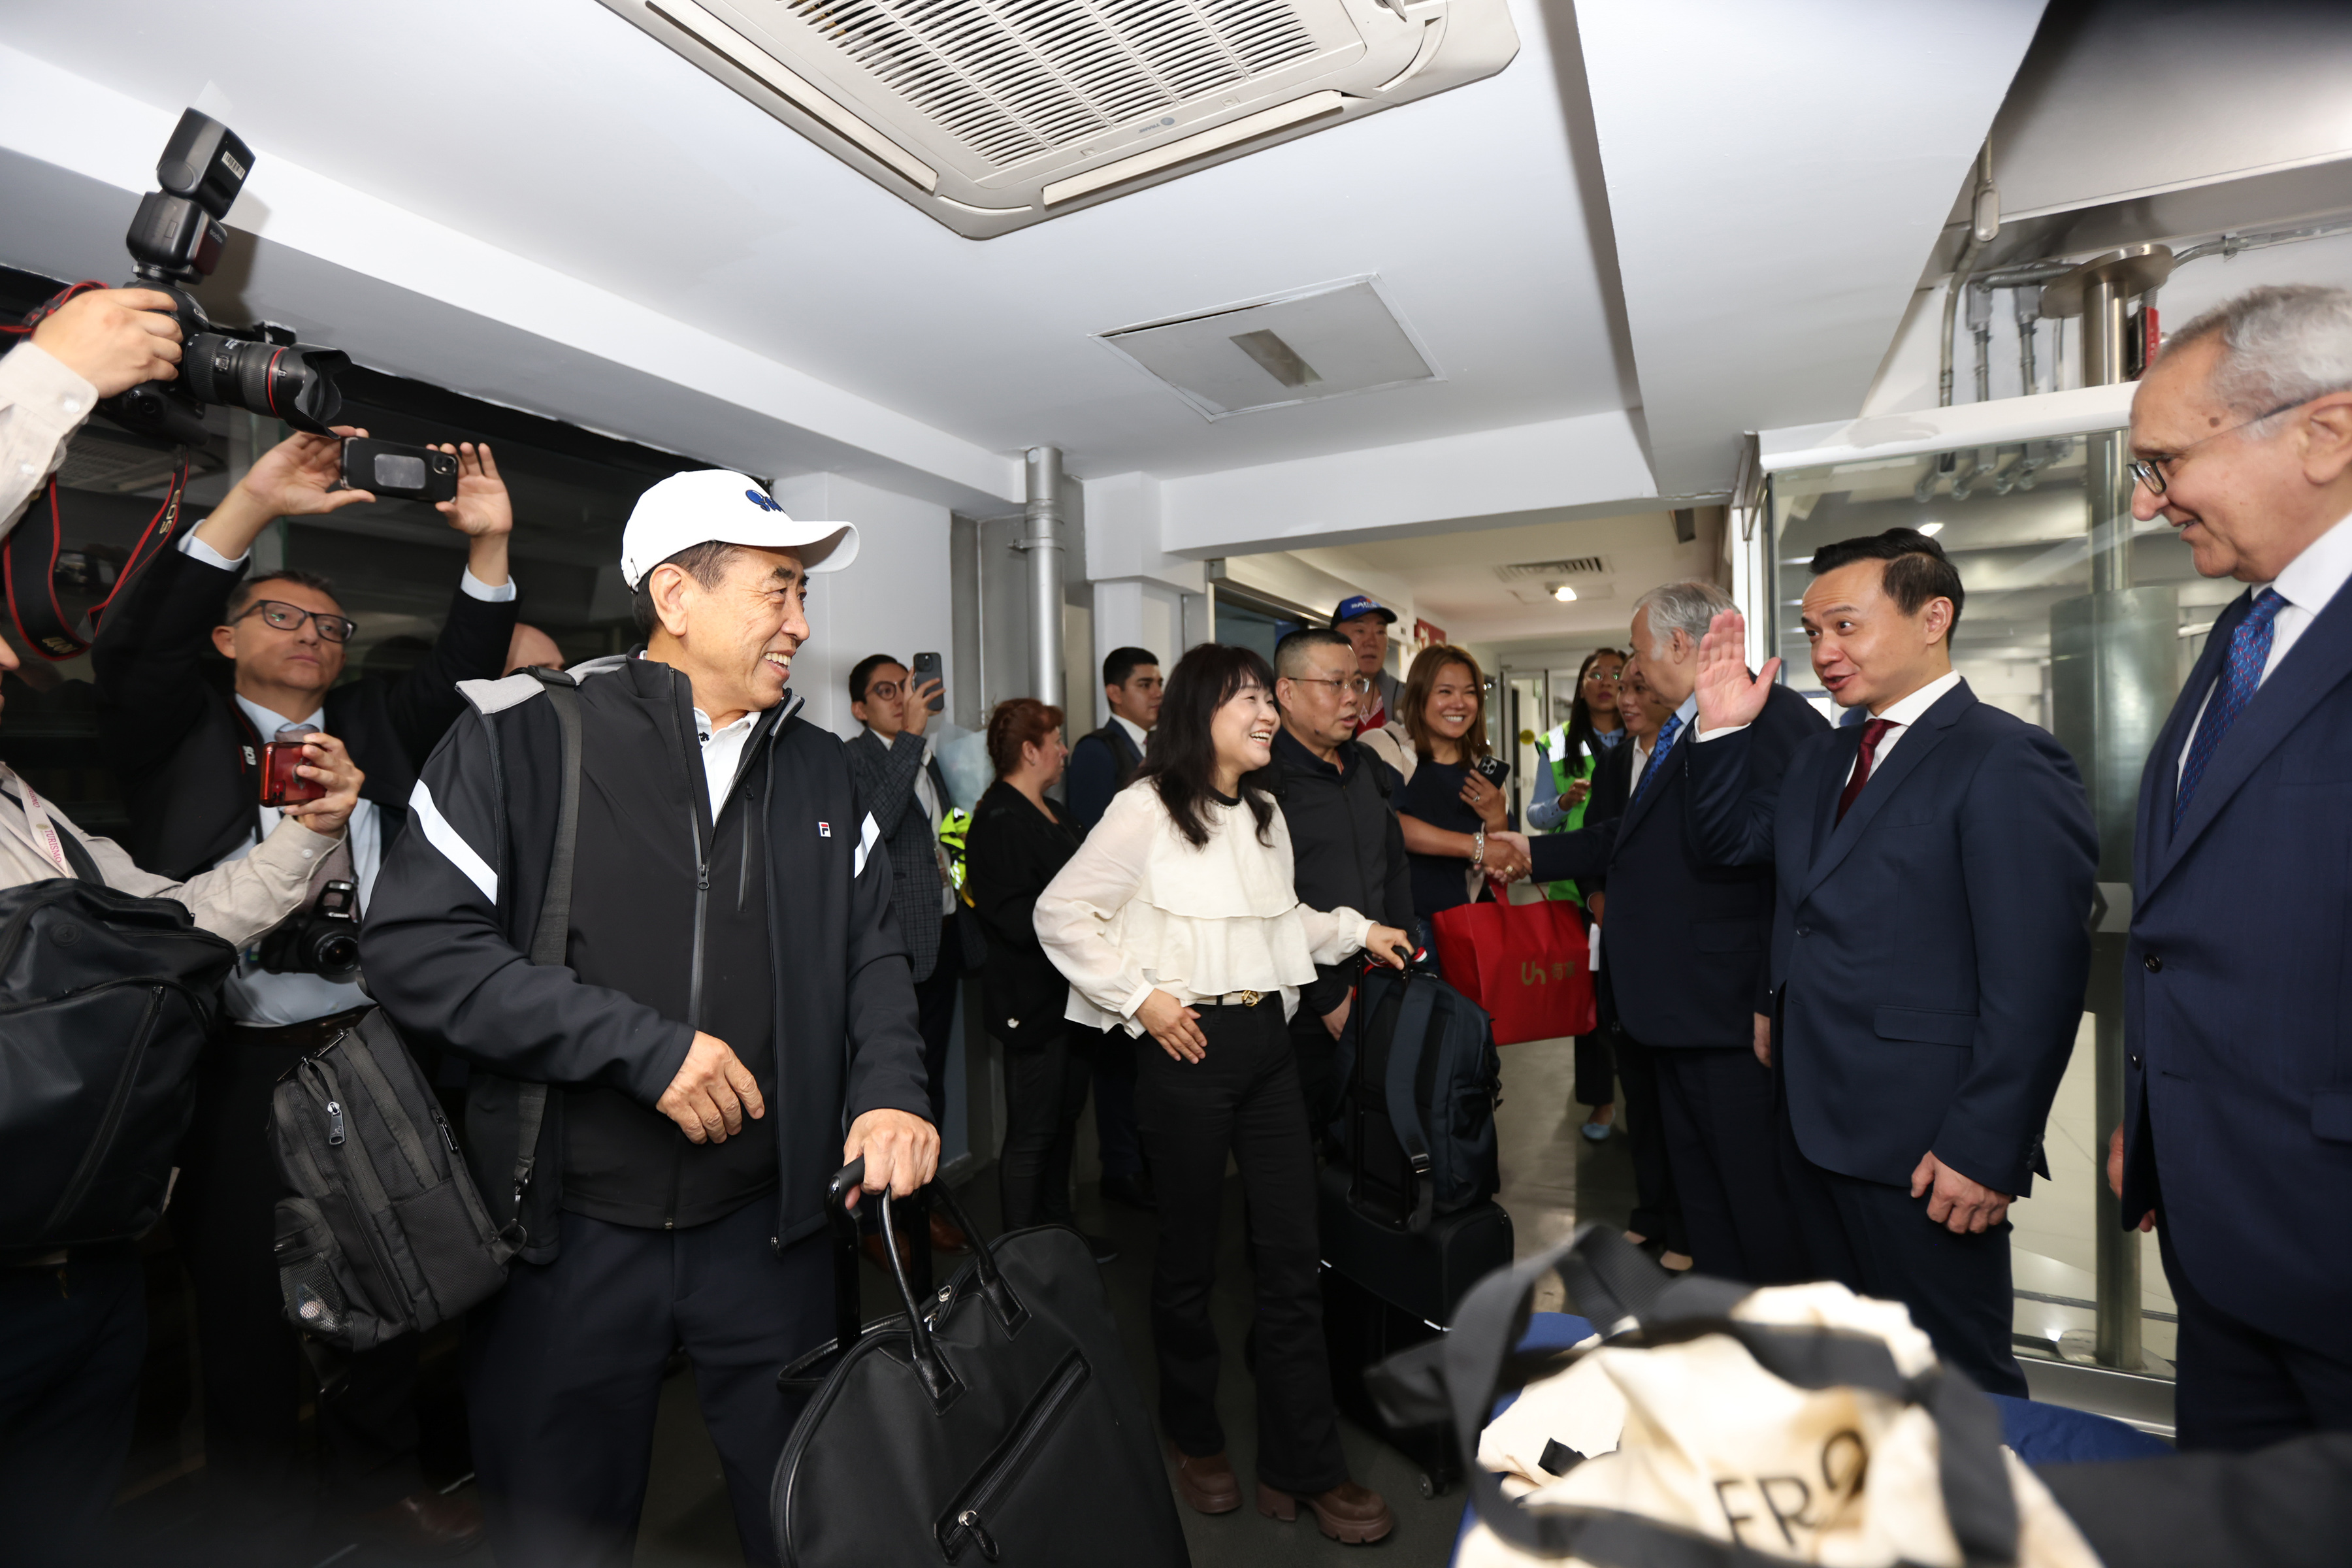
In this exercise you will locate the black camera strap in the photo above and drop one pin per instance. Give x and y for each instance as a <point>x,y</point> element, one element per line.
<point>551,935</point>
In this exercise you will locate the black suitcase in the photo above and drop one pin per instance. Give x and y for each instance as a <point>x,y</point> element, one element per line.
<point>995,1422</point>
<point>1386,1291</point>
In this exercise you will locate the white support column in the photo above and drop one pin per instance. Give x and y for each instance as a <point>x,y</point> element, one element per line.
<point>1143,597</point>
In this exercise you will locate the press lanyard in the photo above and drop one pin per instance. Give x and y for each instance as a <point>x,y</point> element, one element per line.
<point>37,819</point>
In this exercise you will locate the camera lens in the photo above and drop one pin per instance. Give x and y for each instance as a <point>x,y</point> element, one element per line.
<point>290,383</point>
<point>395,472</point>
<point>335,954</point>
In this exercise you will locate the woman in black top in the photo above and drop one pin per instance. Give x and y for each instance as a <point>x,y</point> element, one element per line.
<point>1454,820</point>
<point>1018,839</point>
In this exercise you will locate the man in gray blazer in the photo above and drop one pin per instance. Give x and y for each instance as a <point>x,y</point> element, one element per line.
<point>899,784</point>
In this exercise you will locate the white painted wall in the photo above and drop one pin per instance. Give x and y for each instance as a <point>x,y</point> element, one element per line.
<point>894,599</point>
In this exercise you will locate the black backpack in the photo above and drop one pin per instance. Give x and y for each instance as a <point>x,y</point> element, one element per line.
<point>385,1231</point>
<point>1423,1079</point>
<point>106,1001</point>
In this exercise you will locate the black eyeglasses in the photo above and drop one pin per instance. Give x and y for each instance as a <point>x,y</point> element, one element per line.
<point>886,690</point>
<point>1361,685</point>
<point>2150,472</point>
<point>285,617</point>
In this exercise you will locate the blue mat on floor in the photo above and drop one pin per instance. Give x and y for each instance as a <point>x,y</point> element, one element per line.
<point>2040,1434</point>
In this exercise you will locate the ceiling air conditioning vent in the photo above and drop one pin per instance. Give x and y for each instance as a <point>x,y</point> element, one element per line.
<point>1326,341</point>
<point>991,115</point>
<point>1574,566</point>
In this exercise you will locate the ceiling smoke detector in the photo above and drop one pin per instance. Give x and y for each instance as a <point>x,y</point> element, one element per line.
<point>1327,341</point>
<point>990,115</point>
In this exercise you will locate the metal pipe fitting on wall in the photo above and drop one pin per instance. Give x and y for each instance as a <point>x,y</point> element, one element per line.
<point>1040,538</point>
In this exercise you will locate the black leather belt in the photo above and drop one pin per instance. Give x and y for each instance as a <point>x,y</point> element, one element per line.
<point>308,1034</point>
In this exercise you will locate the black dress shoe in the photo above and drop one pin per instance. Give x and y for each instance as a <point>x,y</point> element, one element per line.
<point>1135,1191</point>
<point>429,1526</point>
<point>1105,1250</point>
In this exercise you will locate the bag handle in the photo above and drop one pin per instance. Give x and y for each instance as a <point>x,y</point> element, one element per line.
<point>551,936</point>
<point>939,1379</point>
<point>1414,1016</point>
<point>1627,1296</point>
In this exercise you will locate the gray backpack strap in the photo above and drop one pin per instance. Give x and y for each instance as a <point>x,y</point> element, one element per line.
<point>551,935</point>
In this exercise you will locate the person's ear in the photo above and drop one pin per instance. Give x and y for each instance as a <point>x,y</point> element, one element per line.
<point>224,641</point>
<point>1936,622</point>
<point>2327,440</point>
<point>857,711</point>
<point>670,585</point>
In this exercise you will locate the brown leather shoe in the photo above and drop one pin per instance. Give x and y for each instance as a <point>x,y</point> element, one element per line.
<point>1347,1513</point>
<point>946,1237</point>
<point>870,1244</point>
<point>428,1525</point>
<point>1208,1485</point>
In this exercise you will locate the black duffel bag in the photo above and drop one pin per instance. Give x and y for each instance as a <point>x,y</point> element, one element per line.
<point>996,1423</point>
<point>106,1001</point>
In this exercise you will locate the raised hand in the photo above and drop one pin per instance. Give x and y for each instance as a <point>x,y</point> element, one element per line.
<point>294,479</point>
<point>1728,696</point>
<point>481,509</point>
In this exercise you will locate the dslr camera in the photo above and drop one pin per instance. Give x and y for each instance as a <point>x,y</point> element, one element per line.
<point>175,241</point>
<point>321,940</point>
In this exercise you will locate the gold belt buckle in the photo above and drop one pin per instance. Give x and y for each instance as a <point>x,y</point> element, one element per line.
<point>1249,998</point>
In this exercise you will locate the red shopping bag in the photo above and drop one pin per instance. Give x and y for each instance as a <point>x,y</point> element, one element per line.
<point>1527,966</point>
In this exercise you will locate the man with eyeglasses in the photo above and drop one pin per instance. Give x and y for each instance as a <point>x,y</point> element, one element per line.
<point>1347,845</point>
<point>2236,1140</point>
<point>190,755</point>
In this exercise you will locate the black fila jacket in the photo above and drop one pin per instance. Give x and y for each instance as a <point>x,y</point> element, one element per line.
<point>446,938</point>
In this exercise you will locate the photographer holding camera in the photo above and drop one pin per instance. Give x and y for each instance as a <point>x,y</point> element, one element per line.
<point>195,760</point>
<point>73,1322</point>
<point>98,344</point>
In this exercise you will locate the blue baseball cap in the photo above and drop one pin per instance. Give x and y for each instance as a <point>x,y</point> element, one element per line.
<point>1356,605</point>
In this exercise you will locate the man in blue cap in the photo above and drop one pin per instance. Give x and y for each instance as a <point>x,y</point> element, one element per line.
<point>1364,621</point>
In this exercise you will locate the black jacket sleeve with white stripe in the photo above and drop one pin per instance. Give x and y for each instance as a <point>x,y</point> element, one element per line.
<point>447,935</point>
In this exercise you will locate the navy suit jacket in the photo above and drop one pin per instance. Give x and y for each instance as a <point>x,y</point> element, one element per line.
<point>1683,958</point>
<point>1102,764</point>
<point>2238,993</point>
<point>1929,952</point>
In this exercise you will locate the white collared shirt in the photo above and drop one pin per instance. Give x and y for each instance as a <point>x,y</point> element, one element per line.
<point>1902,713</point>
<point>1135,731</point>
<point>2308,585</point>
<point>722,754</point>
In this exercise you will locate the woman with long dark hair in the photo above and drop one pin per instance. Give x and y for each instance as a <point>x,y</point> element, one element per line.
<point>1178,919</point>
<point>1018,840</point>
<point>1594,728</point>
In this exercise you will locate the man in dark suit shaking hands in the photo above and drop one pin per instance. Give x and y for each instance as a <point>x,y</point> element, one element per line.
<point>1935,869</point>
<point>2236,1139</point>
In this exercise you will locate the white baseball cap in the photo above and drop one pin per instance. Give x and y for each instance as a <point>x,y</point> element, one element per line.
<point>719,506</point>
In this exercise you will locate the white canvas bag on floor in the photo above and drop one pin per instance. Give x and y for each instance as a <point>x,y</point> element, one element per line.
<point>1709,1426</point>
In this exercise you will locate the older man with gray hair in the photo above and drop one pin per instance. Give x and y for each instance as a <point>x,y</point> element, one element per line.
<point>2236,1139</point>
<point>1683,961</point>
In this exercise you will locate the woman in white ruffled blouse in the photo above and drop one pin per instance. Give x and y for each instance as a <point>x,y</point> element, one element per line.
<point>1178,920</point>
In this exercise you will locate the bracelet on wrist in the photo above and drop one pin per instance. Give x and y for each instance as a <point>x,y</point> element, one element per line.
<point>1478,849</point>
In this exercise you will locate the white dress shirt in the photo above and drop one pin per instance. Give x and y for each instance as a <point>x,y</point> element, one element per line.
<point>1135,731</point>
<point>1902,713</point>
<point>722,754</point>
<point>2307,584</point>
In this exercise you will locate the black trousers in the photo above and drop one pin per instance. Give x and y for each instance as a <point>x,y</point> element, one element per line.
<point>1242,1100</point>
<point>1717,1105</point>
<point>935,1000</point>
<point>1596,1070</point>
<point>1044,1094</point>
<point>223,1216</point>
<point>563,1376</point>
<point>72,1339</point>
<point>1317,1055</point>
<point>1877,1241</point>
<point>2243,1389</point>
<point>1119,1139</point>
<point>1657,1210</point>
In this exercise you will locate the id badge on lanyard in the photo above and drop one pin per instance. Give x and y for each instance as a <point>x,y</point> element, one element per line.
<point>36,821</point>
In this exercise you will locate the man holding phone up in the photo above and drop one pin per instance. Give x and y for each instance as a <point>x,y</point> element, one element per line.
<point>193,760</point>
<point>899,782</point>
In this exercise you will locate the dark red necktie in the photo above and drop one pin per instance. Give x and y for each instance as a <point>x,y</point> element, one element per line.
<point>1872,733</point>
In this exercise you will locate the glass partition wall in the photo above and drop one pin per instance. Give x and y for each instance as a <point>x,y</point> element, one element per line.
<point>2087,631</point>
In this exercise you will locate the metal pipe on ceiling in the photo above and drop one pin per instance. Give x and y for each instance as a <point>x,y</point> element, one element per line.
<point>1984,224</point>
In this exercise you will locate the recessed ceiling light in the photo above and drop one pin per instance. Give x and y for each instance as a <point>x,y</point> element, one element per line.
<point>1563,592</point>
<point>1931,529</point>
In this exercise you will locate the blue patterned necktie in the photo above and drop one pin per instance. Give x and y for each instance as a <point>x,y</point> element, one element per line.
<point>1667,733</point>
<point>2242,673</point>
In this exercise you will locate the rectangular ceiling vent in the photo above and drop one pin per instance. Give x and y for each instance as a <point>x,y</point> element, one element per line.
<point>1574,566</point>
<point>1328,341</point>
<point>991,115</point>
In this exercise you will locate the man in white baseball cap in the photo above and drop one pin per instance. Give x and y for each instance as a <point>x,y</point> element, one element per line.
<point>734,992</point>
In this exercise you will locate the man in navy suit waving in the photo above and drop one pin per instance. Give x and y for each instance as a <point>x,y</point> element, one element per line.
<point>1935,868</point>
<point>2236,1140</point>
